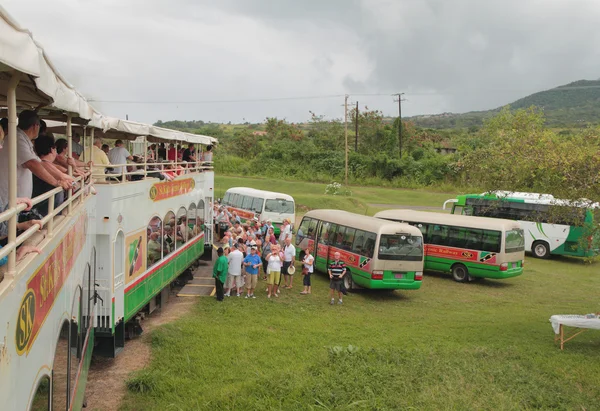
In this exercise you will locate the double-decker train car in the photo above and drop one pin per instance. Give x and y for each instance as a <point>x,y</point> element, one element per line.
<point>98,258</point>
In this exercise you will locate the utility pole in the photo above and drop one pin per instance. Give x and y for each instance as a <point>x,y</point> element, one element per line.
<point>356,130</point>
<point>346,132</point>
<point>400,100</point>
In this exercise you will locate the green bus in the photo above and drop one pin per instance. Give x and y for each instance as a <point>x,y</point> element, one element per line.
<point>378,254</point>
<point>551,226</point>
<point>467,247</point>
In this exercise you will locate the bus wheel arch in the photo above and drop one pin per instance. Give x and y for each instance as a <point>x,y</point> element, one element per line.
<point>460,273</point>
<point>540,249</point>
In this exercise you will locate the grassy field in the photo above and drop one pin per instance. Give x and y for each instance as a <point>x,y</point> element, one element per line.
<point>311,195</point>
<point>483,345</point>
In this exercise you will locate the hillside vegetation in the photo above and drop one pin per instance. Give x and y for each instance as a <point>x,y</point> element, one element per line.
<point>575,104</point>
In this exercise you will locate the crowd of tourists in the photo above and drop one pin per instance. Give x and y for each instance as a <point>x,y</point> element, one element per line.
<point>247,249</point>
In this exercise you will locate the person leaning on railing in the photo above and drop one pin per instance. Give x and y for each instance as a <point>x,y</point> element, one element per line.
<point>24,249</point>
<point>28,163</point>
<point>63,159</point>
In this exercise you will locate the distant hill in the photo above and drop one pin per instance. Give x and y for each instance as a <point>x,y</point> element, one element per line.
<point>575,104</point>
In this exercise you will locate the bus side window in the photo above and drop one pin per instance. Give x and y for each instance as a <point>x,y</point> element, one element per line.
<point>257,205</point>
<point>304,227</point>
<point>348,238</point>
<point>359,242</point>
<point>331,234</point>
<point>226,198</point>
<point>310,233</point>
<point>339,236</point>
<point>323,233</point>
<point>473,238</point>
<point>438,234</point>
<point>247,203</point>
<point>369,244</point>
<point>491,241</point>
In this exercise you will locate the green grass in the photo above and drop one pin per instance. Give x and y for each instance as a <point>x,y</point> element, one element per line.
<point>311,195</point>
<point>482,345</point>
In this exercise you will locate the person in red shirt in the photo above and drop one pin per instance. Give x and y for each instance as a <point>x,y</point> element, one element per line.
<point>172,152</point>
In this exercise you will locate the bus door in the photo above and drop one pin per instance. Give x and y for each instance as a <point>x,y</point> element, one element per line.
<point>321,251</point>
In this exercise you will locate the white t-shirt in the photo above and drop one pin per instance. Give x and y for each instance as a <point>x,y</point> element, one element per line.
<point>274,263</point>
<point>118,155</point>
<point>308,262</point>
<point>235,259</point>
<point>207,156</point>
<point>25,153</point>
<point>289,252</point>
<point>285,232</point>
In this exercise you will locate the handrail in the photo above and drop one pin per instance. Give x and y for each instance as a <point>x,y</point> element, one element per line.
<point>146,168</point>
<point>47,221</point>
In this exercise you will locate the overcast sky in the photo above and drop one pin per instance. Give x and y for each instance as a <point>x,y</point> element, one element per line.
<point>446,55</point>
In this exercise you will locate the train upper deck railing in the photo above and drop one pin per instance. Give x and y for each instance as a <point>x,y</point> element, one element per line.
<point>160,170</point>
<point>51,222</point>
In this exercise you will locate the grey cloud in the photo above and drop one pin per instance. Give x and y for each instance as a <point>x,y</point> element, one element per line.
<point>446,55</point>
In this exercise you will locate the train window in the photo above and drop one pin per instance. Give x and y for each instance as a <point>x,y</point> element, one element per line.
<point>192,222</point>
<point>155,245</point>
<point>169,233</point>
<point>181,230</point>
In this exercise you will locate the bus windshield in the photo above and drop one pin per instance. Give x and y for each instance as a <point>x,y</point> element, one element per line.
<point>515,241</point>
<point>279,206</point>
<point>400,247</point>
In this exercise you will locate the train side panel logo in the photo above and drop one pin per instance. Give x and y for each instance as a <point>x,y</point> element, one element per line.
<point>45,284</point>
<point>168,189</point>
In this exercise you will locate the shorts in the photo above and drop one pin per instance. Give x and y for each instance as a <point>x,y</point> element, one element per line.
<point>336,285</point>
<point>306,280</point>
<point>284,269</point>
<point>274,277</point>
<point>234,281</point>
<point>251,281</point>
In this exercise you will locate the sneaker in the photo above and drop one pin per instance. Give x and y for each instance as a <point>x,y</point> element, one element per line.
<point>227,295</point>
<point>269,296</point>
<point>332,302</point>
<point>247,296</point>
<point>253,296</point>
<point>340,302</point>
<point>238,294</point>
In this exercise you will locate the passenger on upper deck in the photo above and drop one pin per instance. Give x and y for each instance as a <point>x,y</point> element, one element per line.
<point>119,155</point>
<point>27,161</point>
<point>207,157</point>
<point>99,158</point>
<point>24,249</point>
<point>162,152</point>
<point>172,153</point>
<point>105,148</point>
<point>63,160</point>
<point>189,154</point>
<point>76,148</point>
<point>46,150</point>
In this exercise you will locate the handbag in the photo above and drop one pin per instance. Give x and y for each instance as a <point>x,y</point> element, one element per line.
<point>304,271</point>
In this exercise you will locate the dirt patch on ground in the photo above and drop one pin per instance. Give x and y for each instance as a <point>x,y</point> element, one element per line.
<point>106,381</point>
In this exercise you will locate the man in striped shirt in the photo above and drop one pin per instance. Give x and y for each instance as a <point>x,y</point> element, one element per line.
<point>337,271</point>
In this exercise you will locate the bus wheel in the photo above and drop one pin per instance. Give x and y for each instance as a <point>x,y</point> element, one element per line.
<point>540,249</point>
<point>460,273</point>
<point>348,283</point>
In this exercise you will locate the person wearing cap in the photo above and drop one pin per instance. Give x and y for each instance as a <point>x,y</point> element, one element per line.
<point>289,258</point>
<point>252,263</point>
<point>220,273</point>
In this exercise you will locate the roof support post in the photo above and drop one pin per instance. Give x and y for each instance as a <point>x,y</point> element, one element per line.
<point>70,154</point>
<point>11,97</point>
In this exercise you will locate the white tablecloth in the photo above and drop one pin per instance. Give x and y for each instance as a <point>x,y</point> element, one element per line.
<point>578,321</point>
